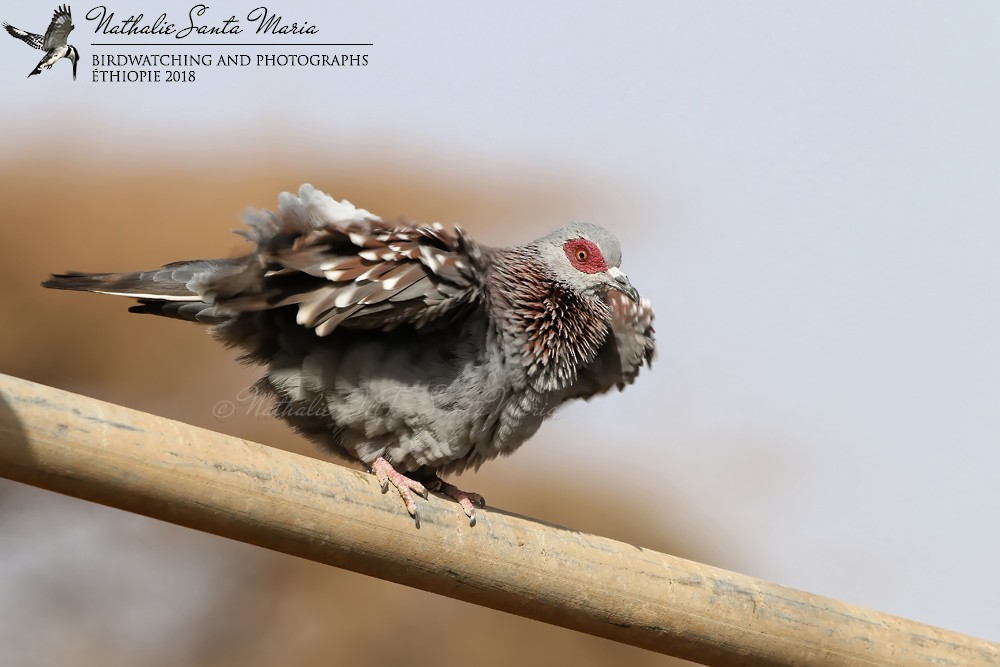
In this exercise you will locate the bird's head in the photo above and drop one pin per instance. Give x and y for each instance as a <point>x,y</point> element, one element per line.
<point>586,257</point>
<point>74,56</point>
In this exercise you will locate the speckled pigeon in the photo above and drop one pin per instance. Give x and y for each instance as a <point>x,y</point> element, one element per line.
<point>411,349</point>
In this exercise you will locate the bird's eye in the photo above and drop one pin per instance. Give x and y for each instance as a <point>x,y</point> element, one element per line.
<point>585,256</point>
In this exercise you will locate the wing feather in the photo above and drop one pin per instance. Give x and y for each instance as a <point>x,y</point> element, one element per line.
<point>630,344</point>
<point>29,38</point>
<point>344,267</point>
<point>59,28</point>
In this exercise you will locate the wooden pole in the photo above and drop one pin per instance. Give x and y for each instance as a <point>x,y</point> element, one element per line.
<point>305,507</point>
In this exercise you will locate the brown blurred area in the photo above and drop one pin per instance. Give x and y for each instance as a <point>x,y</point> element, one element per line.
<point>242,605</point>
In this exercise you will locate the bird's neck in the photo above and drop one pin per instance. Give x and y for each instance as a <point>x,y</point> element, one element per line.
<point>546,327</point>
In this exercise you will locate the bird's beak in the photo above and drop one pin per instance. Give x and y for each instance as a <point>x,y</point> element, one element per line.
<point>622,284</point>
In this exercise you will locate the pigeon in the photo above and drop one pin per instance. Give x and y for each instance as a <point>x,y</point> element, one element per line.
<point>411,349</point>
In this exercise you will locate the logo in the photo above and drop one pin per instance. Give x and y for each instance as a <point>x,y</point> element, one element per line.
<point>55,41</point>
<point>172,49</point>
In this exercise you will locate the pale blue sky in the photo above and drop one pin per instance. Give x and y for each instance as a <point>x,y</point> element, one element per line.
<point>811,204</point>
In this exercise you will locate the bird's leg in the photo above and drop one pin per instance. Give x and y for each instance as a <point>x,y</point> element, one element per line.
<point>467,499</point>
<point>385,473</point>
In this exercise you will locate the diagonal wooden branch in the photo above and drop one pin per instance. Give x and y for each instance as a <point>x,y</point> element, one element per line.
<point>305,507</point>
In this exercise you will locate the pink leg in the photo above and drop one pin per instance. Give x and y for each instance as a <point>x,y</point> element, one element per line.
<point>466,499</point>
<point>385,473</point>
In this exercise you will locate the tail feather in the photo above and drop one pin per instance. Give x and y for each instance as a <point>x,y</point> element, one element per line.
<point>192,311</point>
<point>166,291</point>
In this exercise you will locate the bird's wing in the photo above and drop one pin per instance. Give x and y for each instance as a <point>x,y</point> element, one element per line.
<point>59,28</point>
<point>29,38</point>
<point>630,344</point>
<point>344,267</point>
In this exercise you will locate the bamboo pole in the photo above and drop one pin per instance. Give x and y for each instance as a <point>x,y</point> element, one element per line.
<point>305,507</point>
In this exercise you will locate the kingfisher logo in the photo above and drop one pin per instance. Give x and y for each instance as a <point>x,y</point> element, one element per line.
<point>210,44</point>
<point>55,41</point>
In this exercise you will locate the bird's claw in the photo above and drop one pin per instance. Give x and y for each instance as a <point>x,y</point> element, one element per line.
<point>385,473</point>
<point>466,499</point>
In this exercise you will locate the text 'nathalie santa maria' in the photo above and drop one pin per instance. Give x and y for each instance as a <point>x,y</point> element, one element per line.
<point>259,20</point>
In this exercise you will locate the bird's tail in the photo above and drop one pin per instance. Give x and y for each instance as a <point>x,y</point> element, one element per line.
<point>166,291</point>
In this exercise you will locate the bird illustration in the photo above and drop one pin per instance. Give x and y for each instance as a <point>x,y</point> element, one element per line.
<point>54,42</point>
<point>410,348</point>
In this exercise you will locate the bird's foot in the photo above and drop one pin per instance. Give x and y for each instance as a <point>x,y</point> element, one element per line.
<point>385,474</point>
<point>467,499</point>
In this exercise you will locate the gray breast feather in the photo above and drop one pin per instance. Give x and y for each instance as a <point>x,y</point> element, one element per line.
<point>437,400</point>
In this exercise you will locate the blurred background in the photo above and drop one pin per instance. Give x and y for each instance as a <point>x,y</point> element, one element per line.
<point>807,192</point>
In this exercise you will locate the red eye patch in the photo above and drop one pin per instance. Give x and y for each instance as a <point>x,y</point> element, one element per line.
<point>585,256</point>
